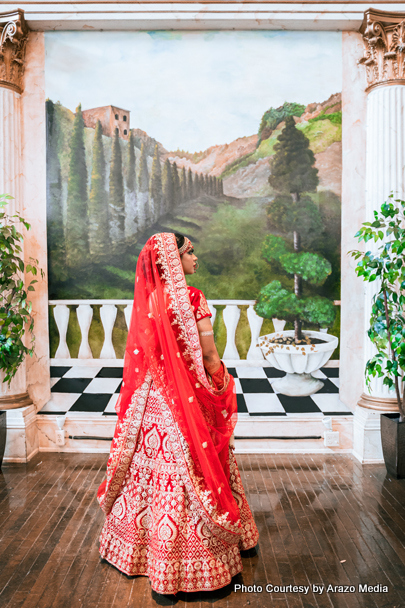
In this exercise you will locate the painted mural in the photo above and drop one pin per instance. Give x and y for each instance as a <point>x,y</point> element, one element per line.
<point>163,131</point>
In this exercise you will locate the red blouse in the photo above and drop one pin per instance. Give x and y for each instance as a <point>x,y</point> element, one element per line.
<point>199,303</point>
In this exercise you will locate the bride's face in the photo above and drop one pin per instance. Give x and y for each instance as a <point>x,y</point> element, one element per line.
<point>188,261</point>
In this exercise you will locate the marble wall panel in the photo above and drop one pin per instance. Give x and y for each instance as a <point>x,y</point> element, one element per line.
<point>34,210</point>
<point>353,214</point>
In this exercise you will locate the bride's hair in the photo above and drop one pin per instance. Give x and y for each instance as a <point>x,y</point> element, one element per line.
<point>179,239</point>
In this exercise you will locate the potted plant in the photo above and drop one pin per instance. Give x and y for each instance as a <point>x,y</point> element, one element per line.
<point>299,353</point>
<point>15,309</point>
<point>296,219</point>
<point>385,267</point>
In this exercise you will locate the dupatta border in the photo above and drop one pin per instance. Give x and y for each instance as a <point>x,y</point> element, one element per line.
<point>168,258</point>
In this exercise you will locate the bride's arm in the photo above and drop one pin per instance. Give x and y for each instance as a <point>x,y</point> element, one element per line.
<point>212,362</point>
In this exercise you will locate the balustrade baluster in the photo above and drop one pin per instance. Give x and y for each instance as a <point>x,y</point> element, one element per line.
<point>255,323</point>
<point>127,313</point>
<point>61,315</point>
<point>84,314</point>
<point>108,314</point>
<point>213,311</point>
<point>231,316</point>
<point>278,324</point>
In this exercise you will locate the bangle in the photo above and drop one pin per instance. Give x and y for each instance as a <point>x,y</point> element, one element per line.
<point>207,333</point>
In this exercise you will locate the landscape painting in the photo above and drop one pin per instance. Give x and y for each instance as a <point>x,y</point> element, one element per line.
<point>183,131</point>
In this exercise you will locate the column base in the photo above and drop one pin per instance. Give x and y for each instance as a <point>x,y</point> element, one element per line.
<point>11,402</point>
<point>22,435</point>
<point>380,404</point>
<point>367,433</point>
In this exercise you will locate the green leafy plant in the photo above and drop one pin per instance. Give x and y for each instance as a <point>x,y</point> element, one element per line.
<point>385,265</point>
<point>15,309</point>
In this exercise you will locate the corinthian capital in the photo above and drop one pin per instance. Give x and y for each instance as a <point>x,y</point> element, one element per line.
<point>384,47</point>
<point>13,38</point>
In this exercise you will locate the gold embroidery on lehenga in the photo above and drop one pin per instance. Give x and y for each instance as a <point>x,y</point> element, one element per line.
<point>164,533</point>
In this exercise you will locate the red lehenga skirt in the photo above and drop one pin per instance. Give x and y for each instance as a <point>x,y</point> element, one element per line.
<point>154,528</point>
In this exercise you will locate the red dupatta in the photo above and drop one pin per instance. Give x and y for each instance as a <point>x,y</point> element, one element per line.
<point>163,349</point>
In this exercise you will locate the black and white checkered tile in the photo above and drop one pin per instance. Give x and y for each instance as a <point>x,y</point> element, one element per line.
<point>95,390</point>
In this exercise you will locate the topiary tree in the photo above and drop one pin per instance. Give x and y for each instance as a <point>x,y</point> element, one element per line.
<point>276,301</point>
<point>292,174</point>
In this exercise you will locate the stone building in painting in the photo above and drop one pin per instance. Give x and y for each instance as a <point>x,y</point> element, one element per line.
<point>111,118</point>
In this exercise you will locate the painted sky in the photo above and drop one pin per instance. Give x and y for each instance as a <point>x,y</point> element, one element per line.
<point>192,90</point>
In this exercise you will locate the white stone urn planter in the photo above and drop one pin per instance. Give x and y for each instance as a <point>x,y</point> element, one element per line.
<point>299,362</point>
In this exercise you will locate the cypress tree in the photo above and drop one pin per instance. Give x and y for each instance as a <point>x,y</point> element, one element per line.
<point>54,209</point>
<point>176,185</point>
<point>190,185</point>
<point>292,166</point>
<point>197,185</point>
<point>98,206</point>
<point>167,184</point>
<point>131,210</point>
<point>293,172</point>
<point>143,188</point>
<point>155,192</point>
<point>116,194</point>
<point>184,190</point>
<point>77,221</point>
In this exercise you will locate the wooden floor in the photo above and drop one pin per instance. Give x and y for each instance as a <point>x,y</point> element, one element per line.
<point>323,520</point>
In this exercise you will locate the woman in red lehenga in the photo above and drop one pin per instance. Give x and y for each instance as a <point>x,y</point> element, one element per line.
<point>175,505</point>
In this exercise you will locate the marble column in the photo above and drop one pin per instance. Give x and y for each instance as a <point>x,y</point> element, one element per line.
<point>13,37</point>
<point>384,55</point>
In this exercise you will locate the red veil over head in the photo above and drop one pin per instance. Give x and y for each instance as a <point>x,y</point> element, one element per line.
<point>163,348</point>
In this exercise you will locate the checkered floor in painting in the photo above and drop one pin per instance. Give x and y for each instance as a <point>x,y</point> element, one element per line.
<point>94,390</point>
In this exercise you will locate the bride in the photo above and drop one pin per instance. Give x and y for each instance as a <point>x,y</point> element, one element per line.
<point>175,505</point>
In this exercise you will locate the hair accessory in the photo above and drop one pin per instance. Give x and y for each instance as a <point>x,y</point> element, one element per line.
<point>187,245</point>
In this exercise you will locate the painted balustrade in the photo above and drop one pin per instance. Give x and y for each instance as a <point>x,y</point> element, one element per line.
<point>231,315</point>
<point>108,315</point>
<point>61,314</point>
<point>84,316</point>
